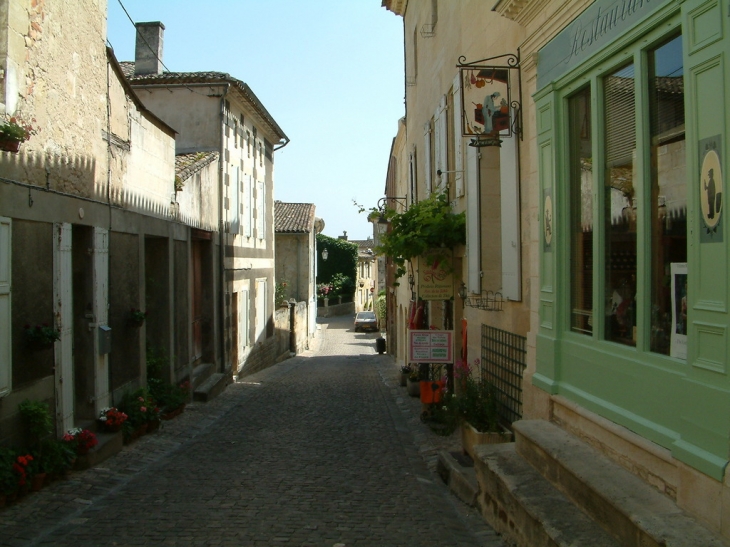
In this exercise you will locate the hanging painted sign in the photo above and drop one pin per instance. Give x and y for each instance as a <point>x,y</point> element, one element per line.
<point>435,275</point>
<point>489,109</point>
<point>430,346</point>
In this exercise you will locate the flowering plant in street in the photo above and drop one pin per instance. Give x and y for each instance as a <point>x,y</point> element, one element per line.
<point>112,418</point>
<point>82,440</point>
<point>324,289</point>
<point>20,468</point>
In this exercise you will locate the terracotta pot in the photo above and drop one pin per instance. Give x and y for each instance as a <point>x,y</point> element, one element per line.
<point>9,145</point>
<point>37,482</point>
<point>152,426</point>
<point>142,430</point>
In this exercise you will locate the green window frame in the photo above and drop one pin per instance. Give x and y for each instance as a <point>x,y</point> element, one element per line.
<point>626,199</point>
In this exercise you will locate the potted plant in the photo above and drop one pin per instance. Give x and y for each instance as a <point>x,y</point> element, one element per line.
<point>476,406</point>
<point>405,372</point>
<point>137,317</point>
<point>82,440</point>
<point>13,132</point>
<point>58,457</point>
<point>41,336</point>
<point>8,477</point>
<point>414,385</point>
<point>111,419</point>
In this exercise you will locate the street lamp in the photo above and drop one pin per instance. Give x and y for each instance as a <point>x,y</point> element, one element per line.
<point>325,254</point>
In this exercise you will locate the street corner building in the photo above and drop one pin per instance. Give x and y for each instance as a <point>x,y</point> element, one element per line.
<point>136,219</point>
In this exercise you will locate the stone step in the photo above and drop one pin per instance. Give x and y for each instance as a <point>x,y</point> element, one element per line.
<point>622,503</point>
<point>200,374</point>
<point>525,508</point>
<point>457,471</point>
<point>212,387</point>
<point>108,445</point>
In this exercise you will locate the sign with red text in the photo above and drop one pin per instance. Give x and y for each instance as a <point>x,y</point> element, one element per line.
<point>431,346</point>
<point>435,275</point>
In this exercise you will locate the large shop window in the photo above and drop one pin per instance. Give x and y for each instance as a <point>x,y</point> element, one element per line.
<point>630,202</point>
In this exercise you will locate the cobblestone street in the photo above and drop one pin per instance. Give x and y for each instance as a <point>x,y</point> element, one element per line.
<point>324,449</point>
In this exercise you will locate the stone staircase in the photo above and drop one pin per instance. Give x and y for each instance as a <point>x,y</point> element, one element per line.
<point>206,383</point>
<point>550,488</point>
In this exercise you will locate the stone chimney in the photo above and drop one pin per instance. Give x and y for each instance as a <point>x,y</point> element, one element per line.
<point>148,48</point>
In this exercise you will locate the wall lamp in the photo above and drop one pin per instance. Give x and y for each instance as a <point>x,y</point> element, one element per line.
<point>325,254</point>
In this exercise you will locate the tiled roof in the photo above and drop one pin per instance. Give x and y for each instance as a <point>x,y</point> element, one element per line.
<point>186,165</point>
<point>182,78</point>
<point>293,217</point>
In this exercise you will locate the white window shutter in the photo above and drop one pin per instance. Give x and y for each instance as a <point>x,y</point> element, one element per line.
<point>260,210</point>
<point>441,154</point>
<point>5,302</point>
<point>261,309</point>
<point>473,236</point>
<point>427,156</point>
<point>243,315</point>
<point>510,204</point>
<point>235,208</point>
<point>101,312</point>
<point>63,312</point>
<point>458,140</point>
<point>248,209</point>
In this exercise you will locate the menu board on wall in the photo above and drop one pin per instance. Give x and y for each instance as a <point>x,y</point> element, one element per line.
<point>431,346</point>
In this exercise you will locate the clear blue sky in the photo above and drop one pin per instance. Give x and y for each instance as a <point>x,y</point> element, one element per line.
<point>330,73</point>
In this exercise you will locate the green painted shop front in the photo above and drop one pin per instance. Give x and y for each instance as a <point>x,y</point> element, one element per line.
<point>632,110</point>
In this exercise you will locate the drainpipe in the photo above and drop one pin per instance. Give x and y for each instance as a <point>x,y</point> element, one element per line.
<point>221,232</point>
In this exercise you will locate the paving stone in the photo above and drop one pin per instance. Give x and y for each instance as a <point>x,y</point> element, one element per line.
<point>322,449</point>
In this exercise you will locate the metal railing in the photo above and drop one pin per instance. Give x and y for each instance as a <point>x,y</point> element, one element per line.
<point>502,364</point>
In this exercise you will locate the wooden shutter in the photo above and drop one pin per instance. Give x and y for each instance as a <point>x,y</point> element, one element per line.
<point>427,156</point>
<point>441,152</point>
<point>235,207</point>
<point>101,312</point>
<point>510,219</point>
<point>458,141</point>
<point>473,237</point>
<point>5,303</point>
<point>248,207</point>
<point>63,312</point>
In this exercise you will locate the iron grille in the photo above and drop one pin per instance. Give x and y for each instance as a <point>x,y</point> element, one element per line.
<point>502,365</point>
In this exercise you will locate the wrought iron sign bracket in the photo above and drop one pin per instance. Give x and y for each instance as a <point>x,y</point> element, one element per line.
<point>490,110</point>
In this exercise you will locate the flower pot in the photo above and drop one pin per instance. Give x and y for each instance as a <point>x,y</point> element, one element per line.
<point>470,438</point>
<point>404,379</point>
<point>414,388</point>
<point>431,391</point>
<point>153,426</point>
<point>142,430</point>
<point>9,145</point>
<point>82,450</point>
<point>37,481</point>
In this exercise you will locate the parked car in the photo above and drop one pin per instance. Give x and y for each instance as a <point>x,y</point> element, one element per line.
<point>366,320</point>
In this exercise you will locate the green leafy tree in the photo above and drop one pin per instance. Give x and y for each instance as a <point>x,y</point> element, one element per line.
<point>341,263</point>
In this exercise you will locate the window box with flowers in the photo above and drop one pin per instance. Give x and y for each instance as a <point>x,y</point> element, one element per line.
<point>13,132</point>
<point>41,336</point>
